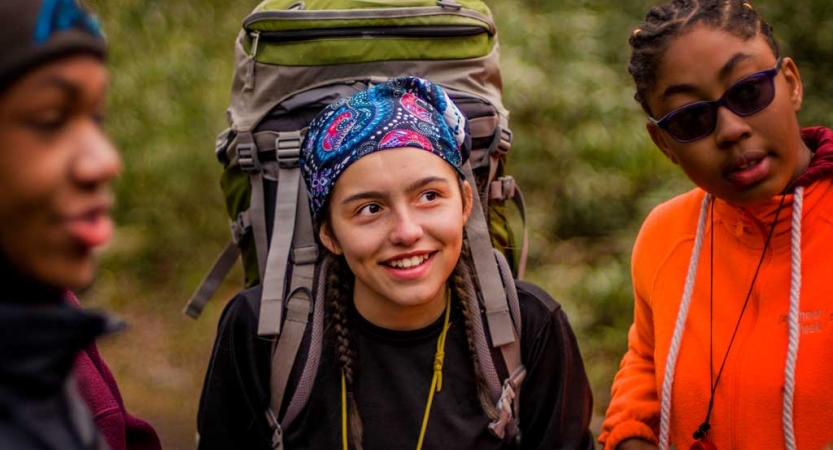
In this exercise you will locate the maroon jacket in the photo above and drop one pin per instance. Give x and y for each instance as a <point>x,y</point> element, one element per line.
<point>99,390</point>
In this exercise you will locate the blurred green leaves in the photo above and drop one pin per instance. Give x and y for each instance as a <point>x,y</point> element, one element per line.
<point>580,153</point>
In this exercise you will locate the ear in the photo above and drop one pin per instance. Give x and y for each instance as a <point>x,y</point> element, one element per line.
<point>661,141</point>
<point>795,86</point>
<point>468,201</point>
<point>328,240</point>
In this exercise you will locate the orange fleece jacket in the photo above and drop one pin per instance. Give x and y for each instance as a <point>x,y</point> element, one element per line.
<point>748,400</point>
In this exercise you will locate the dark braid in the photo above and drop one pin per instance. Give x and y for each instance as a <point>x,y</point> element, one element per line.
<point>340,282</point>
<point>650,40</point>
<point>458,285</point>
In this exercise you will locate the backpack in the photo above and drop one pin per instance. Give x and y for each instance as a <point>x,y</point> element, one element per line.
<point>291,60</point>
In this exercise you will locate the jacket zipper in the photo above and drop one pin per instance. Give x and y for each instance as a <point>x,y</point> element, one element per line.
<point>389,13</point>
<point>249,82</point>
<point>406,32</point>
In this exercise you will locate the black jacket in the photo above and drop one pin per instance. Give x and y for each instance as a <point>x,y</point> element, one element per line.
<point>39,406</point>
<point>392,385</point>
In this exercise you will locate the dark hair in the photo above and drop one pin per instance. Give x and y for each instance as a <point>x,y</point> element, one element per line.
<point>340,283</point>
<point>650,40</point>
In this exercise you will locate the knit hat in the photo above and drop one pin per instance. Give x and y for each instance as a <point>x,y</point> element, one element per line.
<point>33,32</point>
<point>403,112</point>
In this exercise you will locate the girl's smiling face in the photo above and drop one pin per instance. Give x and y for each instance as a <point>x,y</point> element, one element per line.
<point>745,160</point>
<point>397,216</point>
<point>56,165</point>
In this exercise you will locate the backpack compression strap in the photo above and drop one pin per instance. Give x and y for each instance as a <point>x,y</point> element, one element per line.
<point>504,394</point>
<point>299,303</point>
<point>509,402</point>
<point>502,189</point>
<point>487,277</point>
<point>288,151</point>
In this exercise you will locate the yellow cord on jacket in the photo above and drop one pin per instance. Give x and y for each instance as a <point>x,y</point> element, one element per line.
<point>436,383</point>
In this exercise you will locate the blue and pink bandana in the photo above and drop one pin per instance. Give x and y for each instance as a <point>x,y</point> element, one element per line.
<point>403,112</point>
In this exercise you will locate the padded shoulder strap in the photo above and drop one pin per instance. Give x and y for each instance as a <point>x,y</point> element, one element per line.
<point>486,272</point>
<point>508,403</point>
<point>287,147</point>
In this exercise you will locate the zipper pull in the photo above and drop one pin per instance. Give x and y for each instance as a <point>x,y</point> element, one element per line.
<point>250,70</point>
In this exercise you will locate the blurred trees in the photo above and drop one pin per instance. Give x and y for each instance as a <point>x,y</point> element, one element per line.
<point>580,153</point>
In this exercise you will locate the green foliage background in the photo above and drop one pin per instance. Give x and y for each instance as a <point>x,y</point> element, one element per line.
<point>581,154</point>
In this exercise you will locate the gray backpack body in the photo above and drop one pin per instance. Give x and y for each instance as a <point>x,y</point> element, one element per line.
<point>292,60</point>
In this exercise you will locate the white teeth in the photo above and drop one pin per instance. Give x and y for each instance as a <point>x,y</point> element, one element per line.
<point>406,263</point>
<point>748,165</point>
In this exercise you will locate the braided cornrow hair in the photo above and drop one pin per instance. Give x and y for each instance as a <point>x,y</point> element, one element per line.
<point>650,40</point>
<point>459,278</point>
<point>340,280</point>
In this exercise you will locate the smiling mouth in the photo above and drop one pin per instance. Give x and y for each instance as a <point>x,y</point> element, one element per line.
<point>748,165</point>
<point>408,263</point>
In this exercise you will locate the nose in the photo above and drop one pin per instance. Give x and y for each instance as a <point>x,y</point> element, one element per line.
<point>97,161</point>
<point>405,230</point>
<point>731,128</point>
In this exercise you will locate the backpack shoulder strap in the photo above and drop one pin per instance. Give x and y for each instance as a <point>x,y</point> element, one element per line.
<point>288,209</point>
<point>486,272</point>
<point>299,304</point>
<point>506,425</point>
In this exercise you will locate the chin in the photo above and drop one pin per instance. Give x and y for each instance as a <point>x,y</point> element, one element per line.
<point>75,276</point>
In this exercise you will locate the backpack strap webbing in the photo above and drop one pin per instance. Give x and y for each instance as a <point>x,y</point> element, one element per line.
<point>503,392</point>
<point>249,161</point>
<point>288,151</point>
<point>286,350</point>
<point>502,189</point>
<point>507,405</point>
<point>486,274</point>
<point>209,285</point>
<point>299,303</point>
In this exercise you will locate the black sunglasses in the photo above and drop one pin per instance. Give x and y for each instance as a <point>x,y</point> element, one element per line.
<point>744,98</point>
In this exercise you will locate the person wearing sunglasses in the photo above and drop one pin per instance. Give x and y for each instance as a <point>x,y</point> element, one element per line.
<point>733,325</point>
<point>56,168</point>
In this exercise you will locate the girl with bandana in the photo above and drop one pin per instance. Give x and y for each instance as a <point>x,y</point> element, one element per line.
<point>383,171</point>
<point>730,345</point>
<point>56,166</point>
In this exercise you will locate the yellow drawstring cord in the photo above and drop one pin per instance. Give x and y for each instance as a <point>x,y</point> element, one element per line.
<point>436,382</point>
<point>343,410</point>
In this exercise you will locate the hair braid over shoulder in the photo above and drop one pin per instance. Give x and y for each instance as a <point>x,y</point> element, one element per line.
<point>459,279</point>
<point>662,23</point>
<point>339,293</point>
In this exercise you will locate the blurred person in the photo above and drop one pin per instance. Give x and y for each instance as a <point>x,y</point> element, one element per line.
<point>56,166</point>
<point>732,334</point>
<point>389,201</point>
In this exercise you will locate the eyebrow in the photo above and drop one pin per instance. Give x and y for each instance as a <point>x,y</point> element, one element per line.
<point>368,195</point>
<point>724,71</point>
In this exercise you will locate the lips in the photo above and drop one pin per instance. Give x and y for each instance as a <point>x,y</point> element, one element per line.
<point>749,169</point>
<point>91,228</point>
<point>407,261</point>
<point>409,267</point>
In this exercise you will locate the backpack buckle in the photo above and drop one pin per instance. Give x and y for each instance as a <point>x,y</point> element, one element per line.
<point>502,189</point>
<point>247,153</point>
<point>288,149</point>
<point>502,142</point>
<point>307,254</point>
<point>239,227</point>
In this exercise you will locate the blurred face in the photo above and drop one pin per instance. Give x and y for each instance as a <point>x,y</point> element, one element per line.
<point>747,159</point>
<point>56,166</point>
<point>397,216</point>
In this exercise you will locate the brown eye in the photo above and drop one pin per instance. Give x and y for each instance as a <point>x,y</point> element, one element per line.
<point>369,209</point>
<point>429,196</point>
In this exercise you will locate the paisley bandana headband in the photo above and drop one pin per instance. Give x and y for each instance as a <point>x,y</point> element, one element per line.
<point>403,112</point>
